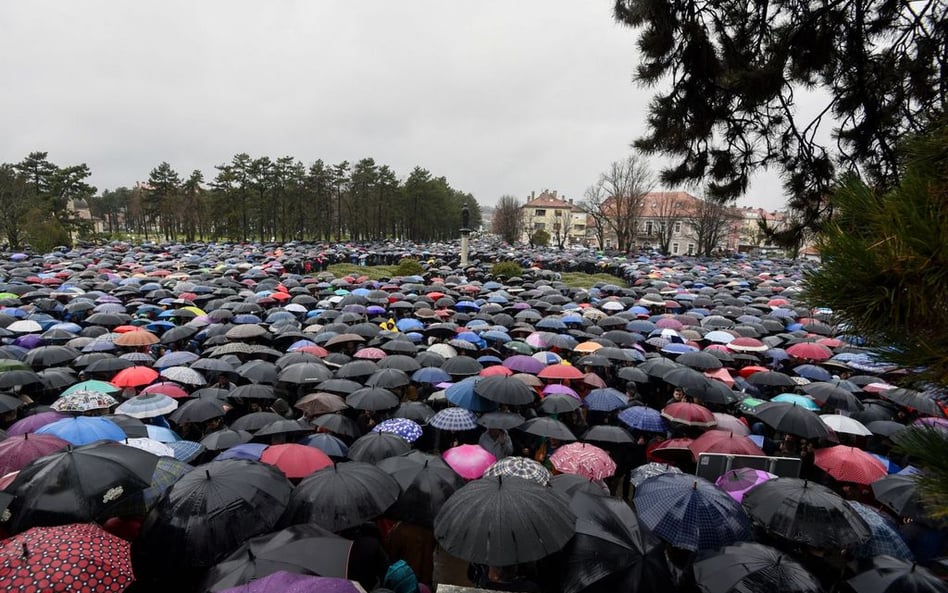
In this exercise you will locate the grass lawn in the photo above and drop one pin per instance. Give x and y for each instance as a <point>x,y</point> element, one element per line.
<point>571,279</point>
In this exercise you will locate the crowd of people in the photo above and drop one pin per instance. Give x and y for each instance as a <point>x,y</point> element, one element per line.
<point>224,414</point>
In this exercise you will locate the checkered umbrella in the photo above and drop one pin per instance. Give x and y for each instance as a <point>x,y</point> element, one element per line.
<point>605,400</point>
<point>885,536</point>
<point>84,401</point>
<point>454,419</point>
<point>650,470</point>
<point>403,427</point>
<point>583,459</point>
<point>645,419</point>
<point>690,512</point>
<point>520,467</point>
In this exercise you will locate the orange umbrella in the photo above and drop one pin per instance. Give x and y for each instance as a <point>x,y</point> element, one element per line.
<point>136,338</point>
<point>562,372</point>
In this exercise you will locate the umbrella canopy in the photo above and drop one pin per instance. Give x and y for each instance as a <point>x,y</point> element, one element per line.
<point>84,401</point>
<point>288,582</point>
<point>892,575</point>
<point>849,464</point>
<point>583,459</point>
<point>806,513</point>
<point>208,513</point>
<point>612,550</point>
<point>372,398</point>
<point>689,414</point>
<point>548,427</point>
<point>899,493</point>
<point>644,419</point>
<point>737,482</point>
<point>690,513</point>
<point>504,390</point>
<point>78,485</point>
<point>914,400</point>
<point>83,430</point>
<point>407,429</point>
<point>454,419</point>
<point>295,461</point>
<point>135,376</point>
<point>885,536</point>
<point>752,567</point>
<point>426,482</point>
<point>149,405</point>
<point>792,419</point>
<point>79,557</point>
<point>468,461</point>
<point>845,424</point>
<point>719,441</point>
<point>560,372</point>
<point>341,496</point>
<point>18,451</point>
<point>198,410</point>
<point>520,467</point>
<point>376,446</point>
<point>299,550</point>
<point>501,521</point>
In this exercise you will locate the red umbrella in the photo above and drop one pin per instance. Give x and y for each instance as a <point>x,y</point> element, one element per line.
<point>747,345</point>
<point>689,414</point>
<point>671,451</point>
<point>167,388</point>
<point>810,351</point>
<point>751,369</point>
<point>562,372</point>
<point>76,557</point>
<point>849,464</point>
<point>496,370</point>
<point>19,451</point>
<point>718,441</point>
<point>135,376</point>
<point>583,459</point>
<point>295,461</point>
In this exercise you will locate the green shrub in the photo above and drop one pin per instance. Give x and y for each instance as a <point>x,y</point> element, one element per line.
<point>409,267</point>
<point>506,269</point>
<point>540,238</point>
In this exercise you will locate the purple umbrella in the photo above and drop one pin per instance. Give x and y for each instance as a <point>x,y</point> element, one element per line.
<point>288,582</point>
<point>251,451</point>
<point>33,423</point>
<point>30,341</point>
<point>522,363</point>
<point>18,452</point>
<point>737,482</point>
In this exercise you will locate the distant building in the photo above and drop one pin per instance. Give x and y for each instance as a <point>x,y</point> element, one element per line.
<point>564,221</point>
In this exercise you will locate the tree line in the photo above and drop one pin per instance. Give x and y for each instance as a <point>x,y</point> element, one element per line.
<point>259,199</point>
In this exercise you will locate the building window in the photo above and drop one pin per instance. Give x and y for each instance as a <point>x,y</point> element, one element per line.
<point>540,212</point>
<point>675,248</point>
<point>678,228</point>
<point>648,228</point>
<point>691,248</point>
<point>539,226</point>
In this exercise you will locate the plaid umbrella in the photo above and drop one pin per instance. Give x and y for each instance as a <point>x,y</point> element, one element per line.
<point>644,419</point>
<point>583,459</point>
<point>454,419</point>
<point>167,471</point>
<point>403,427</point>
<point>520,467</point>
<point>84,401</point>
<point>885,539</point>
<point>650,470</point>
<point>605,400</point>
<point>78,557</point>
<point>691,513</point>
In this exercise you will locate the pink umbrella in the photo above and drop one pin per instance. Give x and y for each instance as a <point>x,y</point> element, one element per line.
<point>721,375</point>
<point>468,461</point>
<point>583,459</point>
<point>167,388</point>
<point>370,354</point>
<point>19,451</point>
<point>737,482</point>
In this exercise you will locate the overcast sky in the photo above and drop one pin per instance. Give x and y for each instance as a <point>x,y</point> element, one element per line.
<point>499,96</point>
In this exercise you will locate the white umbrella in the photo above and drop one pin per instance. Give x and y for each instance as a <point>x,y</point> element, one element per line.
<point>184,375</point>
<point>845,424</point>
<point>150,445</point>
<point>147,405</point>
<point>25,326</point>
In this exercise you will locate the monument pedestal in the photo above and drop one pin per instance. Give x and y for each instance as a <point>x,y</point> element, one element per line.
<point>465,246</point>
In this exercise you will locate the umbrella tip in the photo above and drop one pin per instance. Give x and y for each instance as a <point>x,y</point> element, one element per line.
<point>26,551</point>
<point>695,486</point>
<point>207,473</point>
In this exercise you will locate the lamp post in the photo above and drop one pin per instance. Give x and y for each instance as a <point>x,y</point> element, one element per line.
<point>465,234</point>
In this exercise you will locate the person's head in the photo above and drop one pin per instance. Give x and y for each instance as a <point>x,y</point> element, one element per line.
<point>678,394</point>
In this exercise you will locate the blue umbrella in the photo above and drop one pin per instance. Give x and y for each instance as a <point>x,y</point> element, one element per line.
<point>326,443</point>
<point>403,427</point>
<point>797,400</point>
<point>174,359</point>
<point>813,372</point>
<point>690,512</point>
<point>431,375</point>
<point>885,537</point>
<point>462,394</point>
<point>409,324</point>
<point>454,419</point>
<point>251,451</point>
<point>162,434</point>
<point>83,430</point>
<point>645,419</point>
<point>186,451</point>
<point>605,400</point>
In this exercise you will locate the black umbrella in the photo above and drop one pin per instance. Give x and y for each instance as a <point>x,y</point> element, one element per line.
<point>501,521</point>
<point>885,428</point>
<point>356,369</point>
<point>792,419</point>
<point>612,550</point>
<point>893,575</point>
<point>304,372</point>
<point>702,361</point>
<point>208,513</point>
<point>807,513</point>
<point>19,378</point>
<point>339,386</point>
<point>255,421</point>
<point>559,403</point>
<point>388,379</point>
<point>109,366</point>
<point>178,333</point>
<point>299,549</point>
<point>372,398</point>
<point>197,410</point>
<point>50,356</point>
<point>548,427</point>
<point>132,427</point>
<point>771,379</point>
<point>426,482</point>
<point>752,568</point>
<point>873,410</point>
<point>658,367</point>
<point>78,485</point>
<point>376,446</point>
<point>714,392</point>
<point>420,412</point>
<point>505,390</point>
<point>338,424</point>
<point>899,493</point>
<point>252,391</point>
<point>603,433</point>
<point>400,362</point>
<point>8,403</point>
<point>571,484</point>
<point>462,366</point>
<point>283,427</point>
<point>225,439</point>
<point>832,396</point>
<point>258,371</point>
<point>914,400</point>
<point>686,378</point>
<point>634,374</point>
<point>501,420</point>
<point>342,496</point>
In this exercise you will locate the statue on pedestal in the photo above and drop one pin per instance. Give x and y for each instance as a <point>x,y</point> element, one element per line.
<point>465,218</point>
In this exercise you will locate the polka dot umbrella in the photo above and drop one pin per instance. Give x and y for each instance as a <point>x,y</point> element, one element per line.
<point>77,557</point>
